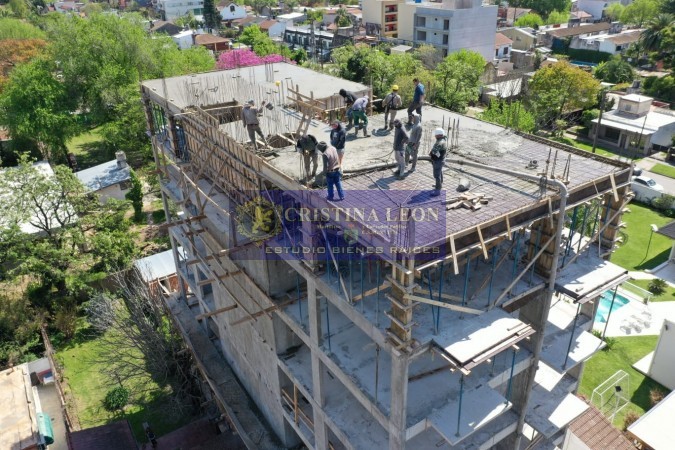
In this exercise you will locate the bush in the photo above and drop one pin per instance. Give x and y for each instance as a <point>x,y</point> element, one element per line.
<point>655,396</point>
<point>588,115</point>
<point>664,202</point>
<point>657,286</point>
<point>592,56</point>
<point>116,398</point>
<point>629,418</point>
<point>135,196</point>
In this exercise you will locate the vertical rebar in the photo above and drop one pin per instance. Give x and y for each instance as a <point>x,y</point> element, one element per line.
<point>377,303</point>
<point>440,299</point>
<point>536,249</point>
<point>297,285</point>
<point>467,269</point>
<point>574,326</point>
<point>461,394</point>
<point>583,226</point>
<point>513,364</point>
<point>571,234</point>
<point>492,273</point>
<point>362,290</point>
<point>328,325</point>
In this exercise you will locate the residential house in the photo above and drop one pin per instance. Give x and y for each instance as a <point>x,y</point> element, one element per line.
<point>68,7</point>
<point>635,124</point>
<point>557,36</point>
<point>173,9</point>
<point>158,271</point>
<point>273,28</point>
<point>596,8</point>
<point>314,41</point>
<point>292,18</point>
<point>231,11</point>
<point>247,22</point>
<point>657,365</point>
<point>654,430</point>
<point>502,90</point>
<point>614,44</point>
<point>163,26</point>
<point>521,38</point>
<point>184,39</point>
<point>456,24</point>
<point>108,180</point>
<point>582,16</point>
<point>507,16</point>
<point>214,43</point>
<point>502,47</point>
<point>329,14</point>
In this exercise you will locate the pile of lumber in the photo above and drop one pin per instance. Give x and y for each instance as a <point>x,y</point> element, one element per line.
<point>470,201</point>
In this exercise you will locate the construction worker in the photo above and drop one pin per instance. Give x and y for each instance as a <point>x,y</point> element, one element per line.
<point>417,101</point>
<point>413,146</point>
<point>332,169</point>
<point>359,112</point>
<point>306,146</point>
<point>437,156</point>
<point>392,103</point>
<point>337,138</point>
<point>249,115</point>
<point>400,139</point>
<point>349,98</point>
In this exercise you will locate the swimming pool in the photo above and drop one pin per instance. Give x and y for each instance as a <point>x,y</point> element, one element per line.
<point>605,302</point>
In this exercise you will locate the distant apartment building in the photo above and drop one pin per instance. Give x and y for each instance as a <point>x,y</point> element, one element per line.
<point>173,9</point>
<point>381,17</point>
<point>457,24</point>
<point>596,8</point>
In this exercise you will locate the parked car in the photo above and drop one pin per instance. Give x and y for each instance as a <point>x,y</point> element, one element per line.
<point>648,182</point>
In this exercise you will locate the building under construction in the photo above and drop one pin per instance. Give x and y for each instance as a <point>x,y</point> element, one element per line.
<point>392,319</point>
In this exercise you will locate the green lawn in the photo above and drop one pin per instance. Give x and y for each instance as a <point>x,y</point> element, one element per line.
<point>625,352</point>
<point>88,382</point>
<point>636,253</point>
<point>89,149</point>
<point>667,296</point>
<point>587,147</point>
<point>663,169</point>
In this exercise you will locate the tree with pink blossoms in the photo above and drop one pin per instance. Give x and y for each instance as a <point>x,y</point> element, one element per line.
<point>245,57</point>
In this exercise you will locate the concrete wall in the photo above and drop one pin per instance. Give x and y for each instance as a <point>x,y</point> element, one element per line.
<point>232,12</point>
<point>113,191</point>
<point>661,368</point>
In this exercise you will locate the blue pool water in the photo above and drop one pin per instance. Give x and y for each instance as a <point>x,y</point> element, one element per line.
<point>605,302</point>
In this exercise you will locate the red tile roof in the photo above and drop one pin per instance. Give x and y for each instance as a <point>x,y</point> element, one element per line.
<point>266,25</point>
<point>205,39</point>
<point>501,40</point>
<point>598,433</point>
<point>575,31</point>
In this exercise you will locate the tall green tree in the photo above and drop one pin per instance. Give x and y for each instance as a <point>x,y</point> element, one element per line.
<point>509,114</point>
<point>543,7</point>
<point>212,17</point>
<point>37,109</point>
<point>558,89</point>
<point>614,11</point>
<point>557,17</point>
<point>640,11</point>
<point>342,18</point>
<point>531,20</point>
<point>652,38</point>
<point>458,79</point>
<point>616,70</point>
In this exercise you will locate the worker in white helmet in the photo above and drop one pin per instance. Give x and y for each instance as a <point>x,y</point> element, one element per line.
<point>437,156</point>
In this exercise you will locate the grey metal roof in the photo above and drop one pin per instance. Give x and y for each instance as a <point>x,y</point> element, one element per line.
<point>104,175</point>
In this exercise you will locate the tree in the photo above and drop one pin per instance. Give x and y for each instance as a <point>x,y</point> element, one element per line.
<point>640,11</point>
<point>531,20</point>
<point>457,79</point>
<point>342,18</point>
<point>543,7</point>
<point>135,196</point>
<point>258,5</point>
<point>616,70</point>
<point>614,11</point>
<point>428,55</point>
<point>560,88</point>
<point>14,52</point>
<point>136,336</point>
<point>37,109</point>
<point>259,42</point>
<point>651,39</point>
<point>212,17</point>
<point>19,29</point>
<point>557,17</point>
<point>19,8</point>
<point>511,115</point>
<point>188,21</point>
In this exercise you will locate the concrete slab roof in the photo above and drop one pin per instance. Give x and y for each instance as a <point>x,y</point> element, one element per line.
<point>104,175</point>
<point>655,427</point>
<point>546,412</point>
<point>588,277</point>
<point>215,87</point>
<point>17,415</point>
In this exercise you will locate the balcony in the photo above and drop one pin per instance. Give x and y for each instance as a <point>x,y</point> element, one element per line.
<point>391,18</point>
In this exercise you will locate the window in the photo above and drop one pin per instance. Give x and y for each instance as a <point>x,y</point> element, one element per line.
<point>626,107</point>
<point>232,8</point>
<point>612,134</point>
<point>506,50</point>
<point>497,53</point>
<point>446,24</point>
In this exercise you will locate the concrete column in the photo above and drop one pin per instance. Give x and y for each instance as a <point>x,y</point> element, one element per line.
<point>610,207</point>
<point>399,400</point>
<point>314,308</point>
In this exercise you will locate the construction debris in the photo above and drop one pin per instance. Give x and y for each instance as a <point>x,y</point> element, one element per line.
<point>469,201</point>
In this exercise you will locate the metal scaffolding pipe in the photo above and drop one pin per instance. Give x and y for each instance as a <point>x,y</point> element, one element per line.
<point>574,326</point>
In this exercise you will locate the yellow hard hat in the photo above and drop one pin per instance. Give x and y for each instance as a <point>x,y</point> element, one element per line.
<point>394,87</point>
